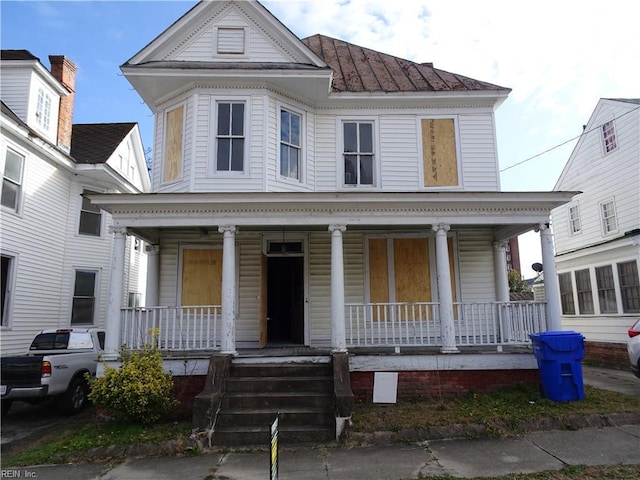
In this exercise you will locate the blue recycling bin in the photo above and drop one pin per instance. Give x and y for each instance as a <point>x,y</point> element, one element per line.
<point>559,355</point>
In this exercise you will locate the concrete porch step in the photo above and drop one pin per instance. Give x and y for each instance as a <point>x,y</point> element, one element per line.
<point>276,400</point>
<point>239,370</point>
<point>262,435</point>
<point>288,417</point>
<point>287,383</point>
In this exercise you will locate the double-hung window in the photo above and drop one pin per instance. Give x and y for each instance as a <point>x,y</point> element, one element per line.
<point>90,217</point>
<point>609,137</point>
<point>608,216</point>
<point>358,153</point>
<point>8,265</point>
<point>606,289</point>
<point>12,180</point>
<point>230,137</point>
<point>566,294</point>
<point>583,288</point>
<point>290,144</point>
<point>574,220</point>
<point>629,286</point>
<point>84,297</point>
<point>43,109</point>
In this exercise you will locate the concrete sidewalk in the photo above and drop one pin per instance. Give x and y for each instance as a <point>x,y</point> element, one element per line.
<point>535,452</point>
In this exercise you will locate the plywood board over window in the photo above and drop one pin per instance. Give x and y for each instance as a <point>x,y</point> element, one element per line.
<point>201,276</point>
<point>439,157</point>
<point>173,144</point>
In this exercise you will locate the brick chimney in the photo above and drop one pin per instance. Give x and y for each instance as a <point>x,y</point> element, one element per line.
<point>64,71</point>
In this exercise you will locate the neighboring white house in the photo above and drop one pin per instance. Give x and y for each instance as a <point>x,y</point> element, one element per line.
<point>315,193</point>
<point>55,246</point>
<point>597,234</point>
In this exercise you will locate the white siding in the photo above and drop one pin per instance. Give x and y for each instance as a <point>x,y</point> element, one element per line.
<point>475,260</point>
<point>479,155</point>
<point>400,155</point>
<point>326,161</point>
<point>15,88</point>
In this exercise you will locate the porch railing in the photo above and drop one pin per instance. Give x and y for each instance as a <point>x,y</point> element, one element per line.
<point>172,328</point>
<point>418,324</point>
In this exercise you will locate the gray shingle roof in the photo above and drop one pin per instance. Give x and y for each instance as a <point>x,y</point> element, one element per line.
<point>94,143</point>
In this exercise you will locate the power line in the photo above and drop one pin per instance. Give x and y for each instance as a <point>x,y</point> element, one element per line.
<point>565,142</point>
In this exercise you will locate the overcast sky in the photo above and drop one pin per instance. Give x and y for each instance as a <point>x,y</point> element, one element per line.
<point>559,57</point>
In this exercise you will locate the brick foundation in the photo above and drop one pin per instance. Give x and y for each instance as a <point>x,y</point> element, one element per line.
<point>184,390</point>
<point>426,384</point>
<point>609,355</point>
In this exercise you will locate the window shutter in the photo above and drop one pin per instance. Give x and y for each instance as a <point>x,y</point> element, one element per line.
<point>230,40</point>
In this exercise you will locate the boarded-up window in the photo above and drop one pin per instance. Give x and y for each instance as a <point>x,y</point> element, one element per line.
<point>231,40</point>
<point>439,153</point>
<point>201,276</point>
<point>173,144</point>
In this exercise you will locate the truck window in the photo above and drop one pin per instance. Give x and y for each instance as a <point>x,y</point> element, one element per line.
<point>80,340</point>
<point>101,336</point>
<point>50,341</point>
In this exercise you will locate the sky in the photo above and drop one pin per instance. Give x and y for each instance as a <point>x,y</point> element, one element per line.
<point>559,57</point>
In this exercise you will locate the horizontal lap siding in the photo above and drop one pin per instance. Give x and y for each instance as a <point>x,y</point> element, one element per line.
<point>398,153</point>
<point>326,153</point>
<point>248,321</point>
<point>478,149</point>
<point>475,257</point>
<point>15,90</point>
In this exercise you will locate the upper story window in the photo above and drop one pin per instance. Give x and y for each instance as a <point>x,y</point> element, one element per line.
<point>574,220</point>
<point>609,137</point>
<point>90,217</point>
<point>439,152</point>
<point>174,136</point>
<point>230,137</point>
<point>358,153</point>
<point>8,278</point>
<point>290,144</point>
<point>12,180</point>
<point>608,216</point>
<point>43,109</point>
<point>629,286</point>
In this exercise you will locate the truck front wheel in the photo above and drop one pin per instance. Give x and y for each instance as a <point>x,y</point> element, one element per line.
<point>75,398</point>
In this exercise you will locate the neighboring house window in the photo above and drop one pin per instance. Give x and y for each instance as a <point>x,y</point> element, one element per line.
<point>90,217</point>
<point>608,215</point>
<point>137,244</point>
<point>358,153</point>
<point>84,297</point>
<point>583,288</point>
<point>12,180</point>
<point>230,137</point>
<point>566,294</point>
<point>574,220</point>
<point>7,265</point>
<point>606,289</point>
<point>609,137</point>
<point>43,109</point>
<point>629,286</point>
<point>134,299</point>
<point>290,144</point>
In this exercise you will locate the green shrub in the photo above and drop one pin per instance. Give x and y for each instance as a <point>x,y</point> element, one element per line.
<point>139,391</point>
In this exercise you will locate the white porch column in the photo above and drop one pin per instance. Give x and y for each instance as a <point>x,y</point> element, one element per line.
<point>153,275</point>
<point>114,298</point>
<point>338,336</point>
<point>228,341</point>
<point>500,271</point>
<point>445,296</point>
<point>551,289</point>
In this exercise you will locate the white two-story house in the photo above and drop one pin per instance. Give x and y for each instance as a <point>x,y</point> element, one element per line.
<point>315,195</point>
<point>55,245</point>
<point>597,234</point>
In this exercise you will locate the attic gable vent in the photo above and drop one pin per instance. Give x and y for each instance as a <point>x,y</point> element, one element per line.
<point>230,40</point>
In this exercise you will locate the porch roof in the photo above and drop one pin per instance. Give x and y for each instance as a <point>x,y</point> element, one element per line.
<point>509,213</point>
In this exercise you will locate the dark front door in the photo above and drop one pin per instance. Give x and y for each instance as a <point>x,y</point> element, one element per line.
<point>285,300</point>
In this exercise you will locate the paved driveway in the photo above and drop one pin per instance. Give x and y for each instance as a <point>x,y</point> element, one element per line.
<point>620,381</point>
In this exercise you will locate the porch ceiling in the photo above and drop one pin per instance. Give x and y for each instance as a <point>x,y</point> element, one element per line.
<point>509,213</point>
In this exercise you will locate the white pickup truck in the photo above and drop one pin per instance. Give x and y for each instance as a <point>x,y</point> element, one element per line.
<point>54,366</point>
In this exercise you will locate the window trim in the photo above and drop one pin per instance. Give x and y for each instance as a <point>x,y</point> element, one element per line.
<point>7,314</point>
<point>573,220</point>
<point>20,194</point>
<point>302,158</point>
<point>44,104</point>
<point>420,159</point>
<point>603,219</point>
<point>213,142</point>
<point>609,137</point>
<point>375,163</point>
<point>96,290</point>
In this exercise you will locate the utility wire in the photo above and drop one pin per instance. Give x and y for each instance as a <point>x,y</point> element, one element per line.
<point>565,142</point>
